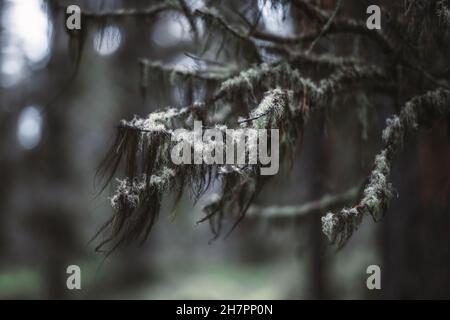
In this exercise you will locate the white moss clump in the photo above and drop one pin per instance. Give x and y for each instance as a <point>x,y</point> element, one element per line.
<point>155,122</point>
<point>329,226</point>
<point>347,76</point>
<point>393,130</point>
<point>266,77</point>
<point>158,121</point>
<point>127,192</point>
<point>339,227</point>
<point>272,107</point>
<point>410,116</point>
<point>378,193</point>
<point>443,12</point>
<point>162,180</point>
<point>244,80</point>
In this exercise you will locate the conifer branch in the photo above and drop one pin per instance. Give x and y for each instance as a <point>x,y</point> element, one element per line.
<point>301,212</point>
<point>418,113</point>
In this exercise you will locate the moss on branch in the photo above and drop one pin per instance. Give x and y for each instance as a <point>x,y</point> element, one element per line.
<point>418,113</point>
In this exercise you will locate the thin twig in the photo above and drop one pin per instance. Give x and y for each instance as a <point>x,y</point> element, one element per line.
<point>297,212</point>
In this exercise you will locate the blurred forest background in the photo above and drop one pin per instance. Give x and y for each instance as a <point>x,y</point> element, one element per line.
<point>56,126</point>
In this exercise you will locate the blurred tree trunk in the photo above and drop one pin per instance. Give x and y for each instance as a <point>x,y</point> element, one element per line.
<point>7,172</point>
<point>416,233</point>
<point>3,166</point>
<point>52,220</point>
<point>134,263</point>
<point>317,286</point>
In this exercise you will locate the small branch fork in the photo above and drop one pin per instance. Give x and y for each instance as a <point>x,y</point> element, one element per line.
<point>301,212</point>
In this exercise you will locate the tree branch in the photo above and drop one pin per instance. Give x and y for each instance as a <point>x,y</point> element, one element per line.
<point>419,112</point>
<point>300,212</point>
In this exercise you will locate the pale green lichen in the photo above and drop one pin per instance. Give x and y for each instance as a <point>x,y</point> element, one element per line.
<point>128,192</point>
<point>155,122</point>
<point>270,110</point>
<point>378,193</point>
<point>163,179</point>
<point>245,80</point>
<point>285,109</point>
<point>339,227</point>
<point>178,73</point>
<point>394,131</point>
<point>443,11</point>
<point>266,77</point>
<point>350,76</point>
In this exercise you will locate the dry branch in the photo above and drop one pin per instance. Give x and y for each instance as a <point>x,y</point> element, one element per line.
<point>418,113</point>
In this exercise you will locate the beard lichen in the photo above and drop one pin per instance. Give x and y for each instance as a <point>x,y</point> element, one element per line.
<point>419,112</point>
<point>143,146</point>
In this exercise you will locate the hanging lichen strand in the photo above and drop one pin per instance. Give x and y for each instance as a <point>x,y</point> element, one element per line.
<point>418,113</point>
